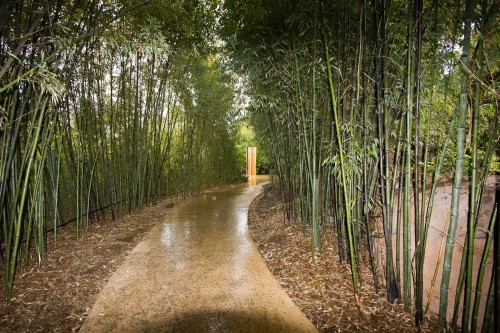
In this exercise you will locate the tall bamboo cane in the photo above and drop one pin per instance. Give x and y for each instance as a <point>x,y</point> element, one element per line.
<point>343,172</point>
<point>462,111</point>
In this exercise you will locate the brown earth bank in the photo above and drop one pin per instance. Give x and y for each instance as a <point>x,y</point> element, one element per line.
<point>58,296</point>
<point>322,288</point>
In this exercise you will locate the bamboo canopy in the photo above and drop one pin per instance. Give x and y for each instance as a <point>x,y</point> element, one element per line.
<point>105,107</point>
<point>370,109</point>
<point>373,115</point>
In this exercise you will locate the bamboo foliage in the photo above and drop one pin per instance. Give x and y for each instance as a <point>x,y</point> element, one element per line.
<point>380,112</point>
<point>93,98</point>
<point>105,107</point>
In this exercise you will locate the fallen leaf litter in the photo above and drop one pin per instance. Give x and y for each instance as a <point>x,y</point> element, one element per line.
<point>322,288</point>
<point>58,296</point>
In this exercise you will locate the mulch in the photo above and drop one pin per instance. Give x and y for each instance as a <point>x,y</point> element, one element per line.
<point>322,288</point>
<point>57,296</point>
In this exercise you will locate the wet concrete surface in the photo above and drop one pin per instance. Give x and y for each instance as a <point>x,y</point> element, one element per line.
<point>199,271</point>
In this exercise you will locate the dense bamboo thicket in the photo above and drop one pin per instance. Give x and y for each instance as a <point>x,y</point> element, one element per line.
<point>367,105</point>
<point>105,106</point>
<point>363,107</point>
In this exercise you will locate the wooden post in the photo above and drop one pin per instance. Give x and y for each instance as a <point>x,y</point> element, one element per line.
<point>251,161</point>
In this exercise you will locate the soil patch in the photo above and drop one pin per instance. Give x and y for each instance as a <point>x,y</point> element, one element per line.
<point>322,288</point>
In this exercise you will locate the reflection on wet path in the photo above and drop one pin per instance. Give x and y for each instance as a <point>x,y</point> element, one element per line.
<point>208,227</point>
<point>197,272</point>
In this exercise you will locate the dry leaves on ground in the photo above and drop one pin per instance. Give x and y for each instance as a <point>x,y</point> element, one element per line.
<point>322,288</point>
<point>58,296</point>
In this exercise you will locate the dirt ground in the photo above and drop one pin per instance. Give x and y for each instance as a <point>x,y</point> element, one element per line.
<point>198,271</point>
<point>58,296</point>
<point>322,289</point>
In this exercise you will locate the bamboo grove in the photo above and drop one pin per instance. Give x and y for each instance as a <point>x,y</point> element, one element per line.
<point>367,106</point>
<point>105,106</point>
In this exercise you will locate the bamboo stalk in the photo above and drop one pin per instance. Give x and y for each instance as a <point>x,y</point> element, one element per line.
<point>438,263</point>
<point>24,190</point>
<point>463,105</point>
<point>484,261</point>
<point>343,173</point>
<point>419,227</point>
<point>489,321</point>
<point>408,178</point>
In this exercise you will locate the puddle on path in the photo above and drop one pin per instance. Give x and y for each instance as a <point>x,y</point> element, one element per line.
<point>198,272</point>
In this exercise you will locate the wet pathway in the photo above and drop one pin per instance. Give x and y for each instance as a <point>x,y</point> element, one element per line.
<point>199,271</point>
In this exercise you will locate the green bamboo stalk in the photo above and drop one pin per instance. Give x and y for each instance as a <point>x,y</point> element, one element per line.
<point>39,213</point>
<point>463,106</point>
<point>362,86</point>
<point>474,196</point>
<point>436,177</point>
<point>438,263</point>
<point>484,261</point>
<point>55,194</point>
<point>39,204</point>
<point>11,142</point>
<point>78,181</point>
<point>458,308</point>
<point>424,207</point>
<point>316,169</point>
<point>87,211</point>
<point>343,172</point>
<point>383,153</point>
<point>19,163</point>
<point>24,190</point>
<point>439,164</point>
<point>398,222</point>
<point>489,319</point>
<point>408,178</point>
<point>419,227</point>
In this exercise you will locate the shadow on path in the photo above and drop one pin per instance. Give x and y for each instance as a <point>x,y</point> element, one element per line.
<point>198,271</point>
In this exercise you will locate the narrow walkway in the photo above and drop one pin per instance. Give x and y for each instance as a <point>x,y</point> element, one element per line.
<point>199,271</point>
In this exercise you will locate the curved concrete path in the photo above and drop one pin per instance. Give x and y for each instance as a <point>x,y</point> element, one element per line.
<point>199,271</point>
